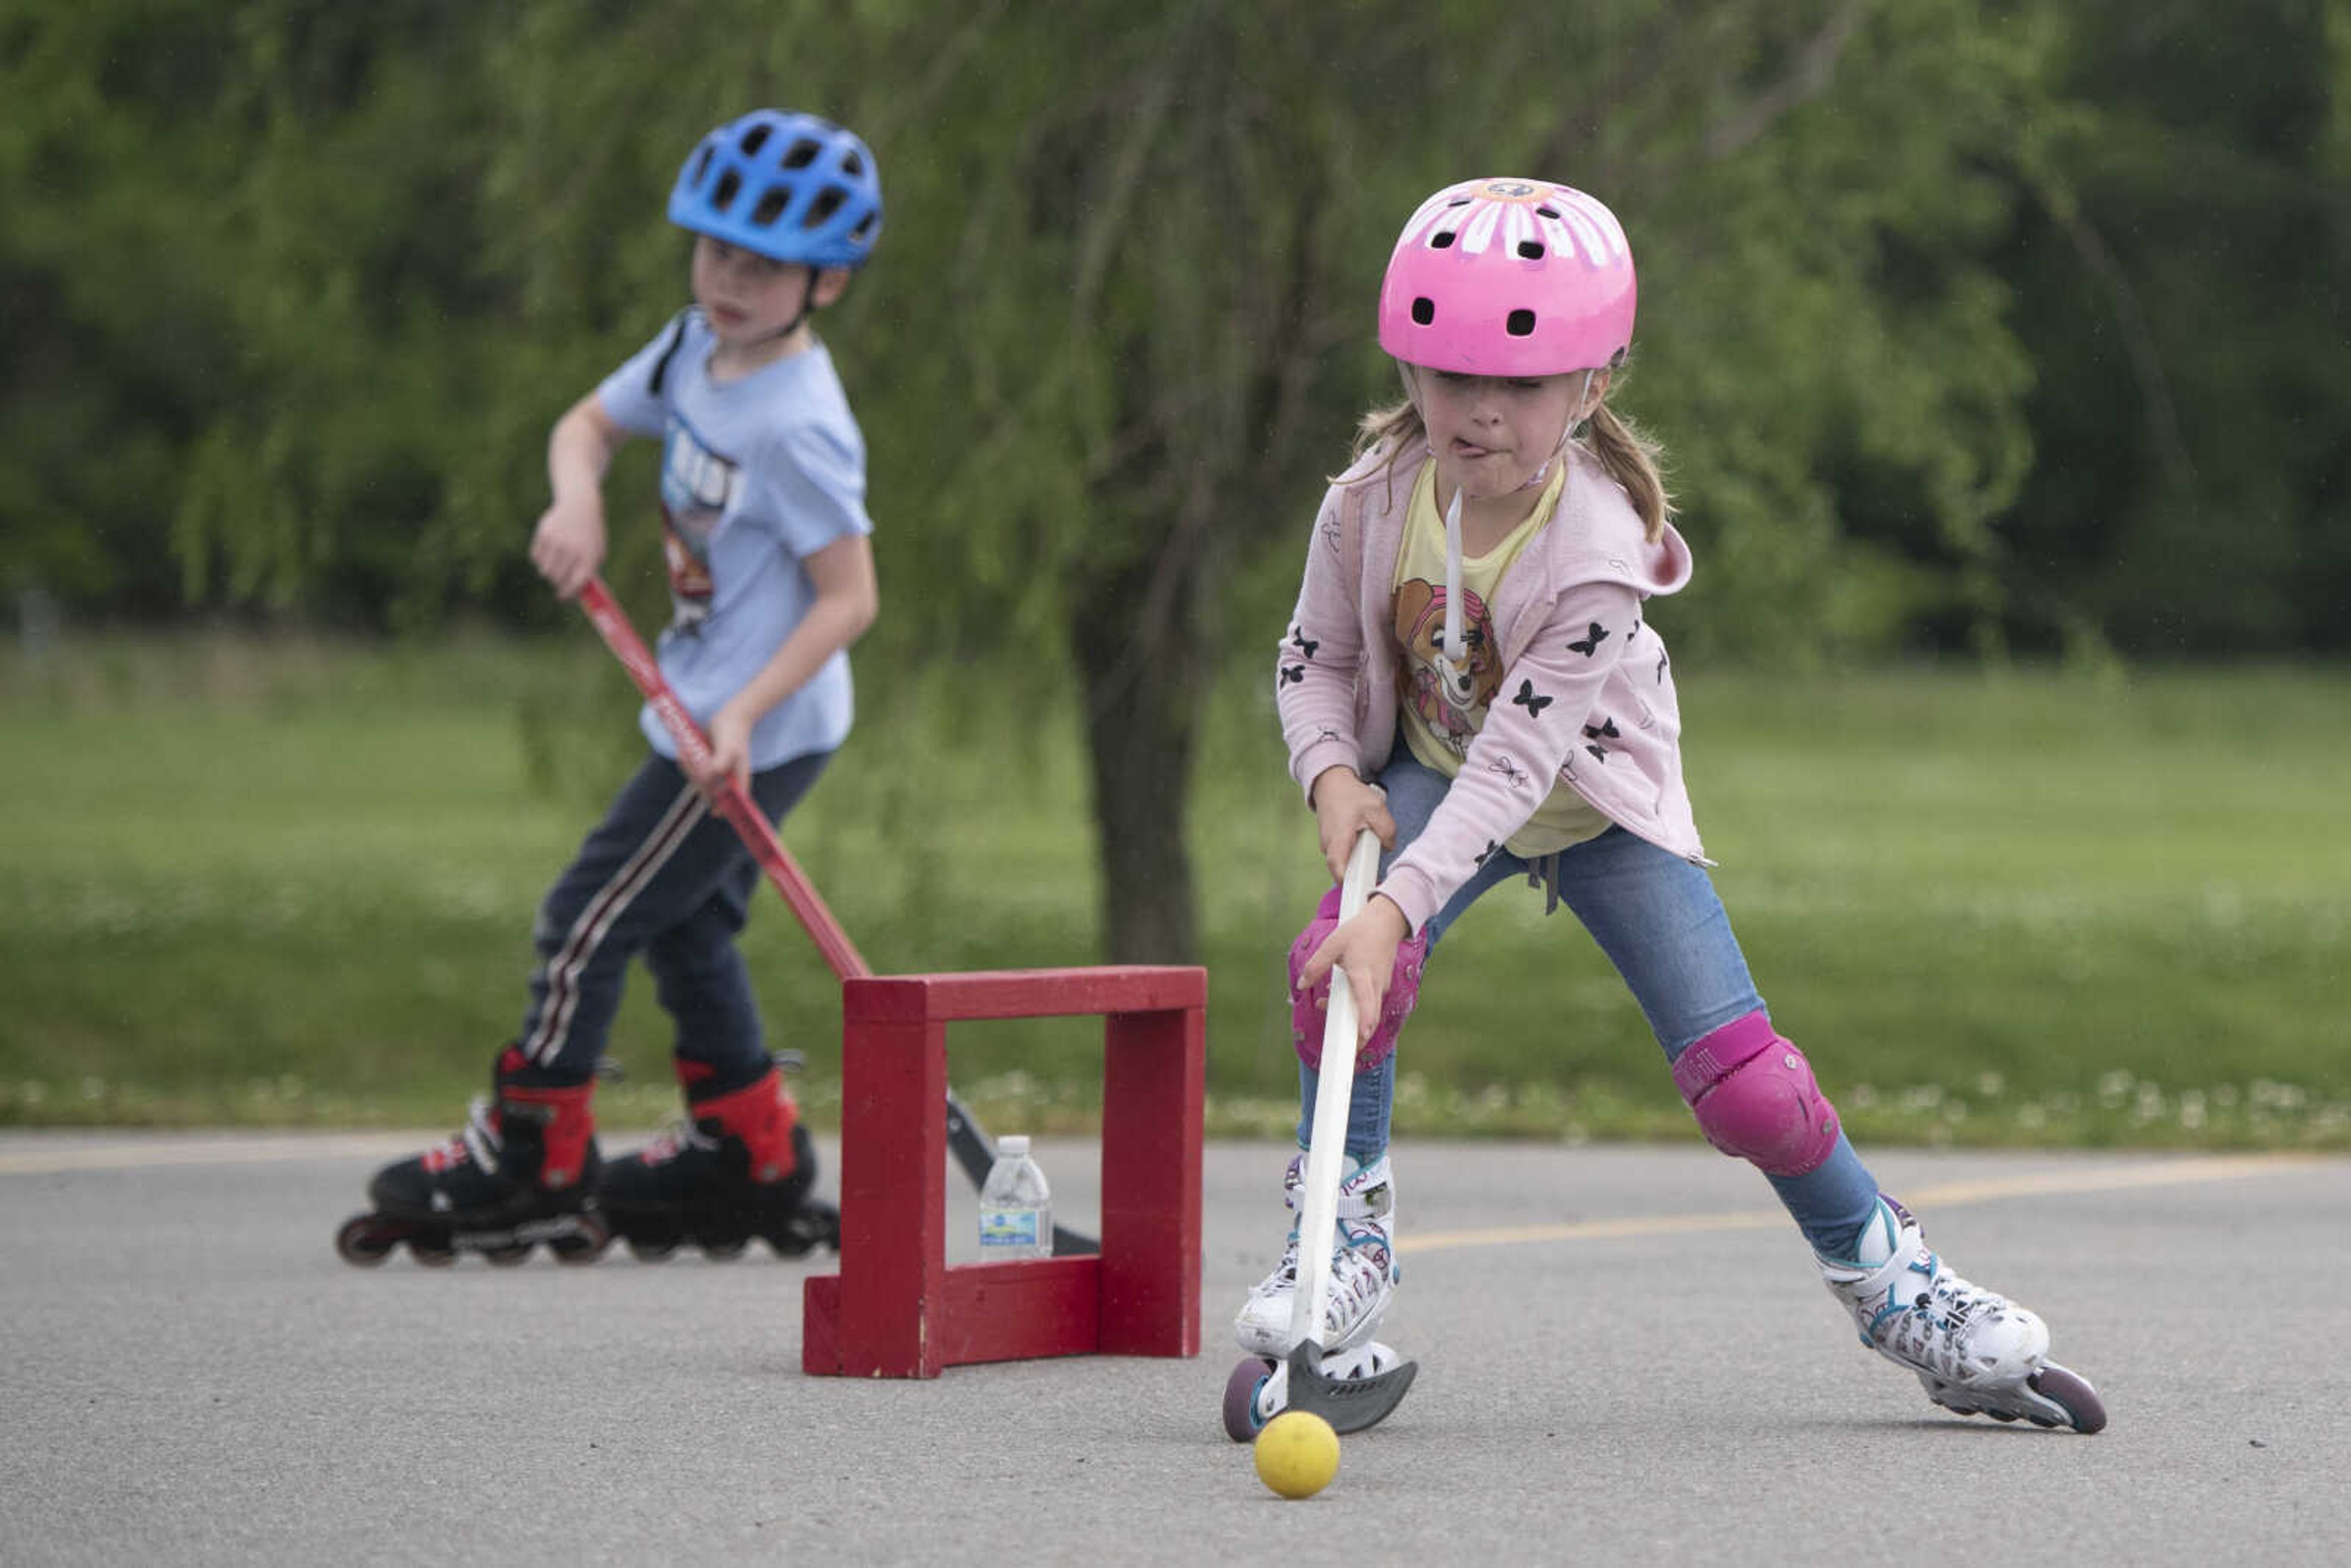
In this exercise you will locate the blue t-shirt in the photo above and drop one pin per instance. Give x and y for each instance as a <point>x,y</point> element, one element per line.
<point>757,474</point>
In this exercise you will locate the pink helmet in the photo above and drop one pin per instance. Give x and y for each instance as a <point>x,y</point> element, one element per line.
<point>1508,277</point>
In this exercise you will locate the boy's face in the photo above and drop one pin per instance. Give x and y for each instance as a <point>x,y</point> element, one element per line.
<point>750,297</point>
<point>1491,433</point>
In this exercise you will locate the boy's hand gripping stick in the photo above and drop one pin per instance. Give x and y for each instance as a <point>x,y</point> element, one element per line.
<point>1351,1403</point>
<point>970,1144</point>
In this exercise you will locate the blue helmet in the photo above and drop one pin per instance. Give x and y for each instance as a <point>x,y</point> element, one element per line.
<point>787,186</point>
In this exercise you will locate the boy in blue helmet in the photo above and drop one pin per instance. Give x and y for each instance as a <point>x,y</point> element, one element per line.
<point>771,579</point>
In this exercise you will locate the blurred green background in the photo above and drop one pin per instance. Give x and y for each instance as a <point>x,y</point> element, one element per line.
<point>1997,350</point>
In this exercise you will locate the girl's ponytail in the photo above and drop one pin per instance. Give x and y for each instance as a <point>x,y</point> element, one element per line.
<point>1631,459</point>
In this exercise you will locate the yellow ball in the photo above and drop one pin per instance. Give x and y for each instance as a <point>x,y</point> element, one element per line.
<point>1297,1454</point>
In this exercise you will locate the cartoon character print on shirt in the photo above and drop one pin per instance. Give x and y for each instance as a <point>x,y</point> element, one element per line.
<point>1419,629</point>
<point>697,486</point>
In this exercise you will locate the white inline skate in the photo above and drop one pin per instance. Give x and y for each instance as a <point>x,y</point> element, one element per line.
<point>1362,1267</point>
<point>1364,1277</point>
<point>1975,1352</point>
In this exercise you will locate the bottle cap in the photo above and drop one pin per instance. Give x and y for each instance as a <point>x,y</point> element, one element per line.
<point>1012,1146</point>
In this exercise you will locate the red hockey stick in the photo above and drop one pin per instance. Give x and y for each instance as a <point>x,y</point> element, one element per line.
<point>733,803</point>
<point>974,1150</point>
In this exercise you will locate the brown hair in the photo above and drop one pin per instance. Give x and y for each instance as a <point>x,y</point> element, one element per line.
<point>1631,459</point>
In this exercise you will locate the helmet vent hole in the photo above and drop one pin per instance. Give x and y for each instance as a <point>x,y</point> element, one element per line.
<point>1441,240</point>
<point>771,205</point>
<point>1458,201</point>
<point>803,153</point>
<point>853,165</point>
<point>1424,310</point>
<point>828,201</point>
<point>701,167</point>
<point>864,229</point>
<point>756,140</point>
<point>1520,324</point>
<point>723,196</point>
<point>1550,212</point>
<point>1530,249</point>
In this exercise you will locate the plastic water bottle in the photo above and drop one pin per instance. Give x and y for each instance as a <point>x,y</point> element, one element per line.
<point>1016,1207</point>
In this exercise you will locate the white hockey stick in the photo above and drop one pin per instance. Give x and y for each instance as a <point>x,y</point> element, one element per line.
<point>1260,1388</point>
<point>1318,1217</point>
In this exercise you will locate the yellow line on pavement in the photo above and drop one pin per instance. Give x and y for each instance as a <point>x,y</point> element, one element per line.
<point>2041,1184</point>
<point>141,1155</point>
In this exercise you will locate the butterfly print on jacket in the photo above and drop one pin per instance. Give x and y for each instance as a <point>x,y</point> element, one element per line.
<point>1589,643</point>
<point>1528,700</point>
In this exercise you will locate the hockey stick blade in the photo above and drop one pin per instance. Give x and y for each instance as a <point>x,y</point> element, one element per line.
<point>1349,1403</point>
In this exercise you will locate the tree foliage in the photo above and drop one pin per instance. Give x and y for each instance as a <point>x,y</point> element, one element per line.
<point>1967,326</point>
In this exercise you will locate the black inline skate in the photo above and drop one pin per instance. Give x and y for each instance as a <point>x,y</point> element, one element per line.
<point>522,1170</point>
<point>741,1166</point>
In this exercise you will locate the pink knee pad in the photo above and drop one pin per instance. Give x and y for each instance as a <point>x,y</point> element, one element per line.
<point>1307,1008</point>
<point>1754,1097</point>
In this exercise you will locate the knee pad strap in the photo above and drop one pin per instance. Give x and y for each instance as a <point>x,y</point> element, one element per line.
<point>1755,1098</point>
<point>1308,1009</point>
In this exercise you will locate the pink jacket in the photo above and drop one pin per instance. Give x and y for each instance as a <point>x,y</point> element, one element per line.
<point>1587,692</point>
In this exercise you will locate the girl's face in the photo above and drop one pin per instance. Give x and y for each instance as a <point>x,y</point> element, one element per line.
<point>750,297</point>
<point>1490,434</point>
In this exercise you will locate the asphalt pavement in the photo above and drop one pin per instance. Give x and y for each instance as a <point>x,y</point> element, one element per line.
<point>1626,1357</point>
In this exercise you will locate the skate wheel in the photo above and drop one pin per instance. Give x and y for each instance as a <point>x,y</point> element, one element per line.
<point>815,1225</point>
<point>508,1257</point>
<point>363,1242</point>
<point>1242,1421</point>
<point>432,1254</point>
<point>724,1248</point>
<point>2071,1391</point>
<point>584,1247</point>
<point>650,1249</point>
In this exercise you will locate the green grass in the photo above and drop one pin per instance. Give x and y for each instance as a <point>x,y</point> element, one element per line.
<point>289,883</point>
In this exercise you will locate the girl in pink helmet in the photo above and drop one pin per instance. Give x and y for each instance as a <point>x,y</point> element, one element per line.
<point>1472,675</point>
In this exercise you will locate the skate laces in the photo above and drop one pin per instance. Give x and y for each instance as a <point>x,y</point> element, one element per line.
<point>479,1141</point>
<point>1926,1312</point>
<point>674,1140</point>
<point>1284,1276</point>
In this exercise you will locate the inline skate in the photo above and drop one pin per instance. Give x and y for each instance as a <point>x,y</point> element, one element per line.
<point>1975,1352</point>
<point>740,1166</point>
<point>1364,1275</point>
<point>522,1171</point>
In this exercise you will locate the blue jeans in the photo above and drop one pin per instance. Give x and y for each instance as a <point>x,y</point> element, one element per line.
<point>666,877</point>
<point>1658,918</point>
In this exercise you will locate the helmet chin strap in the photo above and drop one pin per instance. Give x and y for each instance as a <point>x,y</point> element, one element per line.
<point>807,309</point>
<point>788,328</point>
<point>1542,472</point>
<point>1452,653</point>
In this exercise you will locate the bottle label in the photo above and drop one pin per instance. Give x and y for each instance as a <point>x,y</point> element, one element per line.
<point>1013,1229</point>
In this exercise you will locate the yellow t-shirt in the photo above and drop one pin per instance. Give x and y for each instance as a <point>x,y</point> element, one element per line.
<point>1438,723</point>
